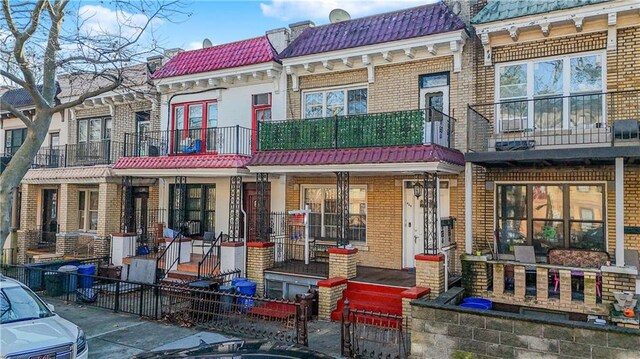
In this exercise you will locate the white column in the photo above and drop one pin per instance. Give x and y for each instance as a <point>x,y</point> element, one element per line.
<point>620,212</point>
<point>468,208</point>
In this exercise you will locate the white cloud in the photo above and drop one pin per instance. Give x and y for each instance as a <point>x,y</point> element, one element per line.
<point>99,20</point>
<point>287,10</point>
<point>193,45</point>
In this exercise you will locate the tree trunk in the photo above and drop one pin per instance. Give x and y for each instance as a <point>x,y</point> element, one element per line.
<point>18,167</point>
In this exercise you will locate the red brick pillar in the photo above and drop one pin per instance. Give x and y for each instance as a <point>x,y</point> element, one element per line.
<point>343,262</point>
<point>430,272</point>
<point>260,256</point>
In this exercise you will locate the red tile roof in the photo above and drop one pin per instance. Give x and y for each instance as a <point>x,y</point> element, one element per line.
<point>370,155</point>
<point>186,161</point>
<point>241,53</point>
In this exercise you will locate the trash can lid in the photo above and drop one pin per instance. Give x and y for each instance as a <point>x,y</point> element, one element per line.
<point>246,283</point>
<point>86,266</point>
<point>226,288</point>
<point>201,284</point>
<point>68,268</point>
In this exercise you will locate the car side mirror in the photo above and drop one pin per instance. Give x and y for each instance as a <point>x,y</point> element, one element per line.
<point>51,307</point>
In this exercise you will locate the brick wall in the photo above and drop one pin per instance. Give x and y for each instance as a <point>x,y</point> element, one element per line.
<point>109,208</point>
<point>384,214</point>
<point>447,331</point>
<point>260,256</point>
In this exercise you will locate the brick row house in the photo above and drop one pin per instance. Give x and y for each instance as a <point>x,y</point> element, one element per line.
<point>551,162</point>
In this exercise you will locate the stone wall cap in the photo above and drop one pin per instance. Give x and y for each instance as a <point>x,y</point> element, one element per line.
<point>430,257</point>
<point>232,244</point>
<point>415,292</point>
<point>631,270</point>
<point>474,258</point>
<point>260,244</point>
<point>332,282</point>
<point>334,250</point>
<point>123,234</point>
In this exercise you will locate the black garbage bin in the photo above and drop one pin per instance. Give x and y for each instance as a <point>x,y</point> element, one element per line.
<point>205,301</point>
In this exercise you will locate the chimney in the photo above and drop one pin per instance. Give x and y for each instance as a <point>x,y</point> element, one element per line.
<point>154,63</point>
<point>170,53</point>
<point>279,38</point>
<point>298,27</point>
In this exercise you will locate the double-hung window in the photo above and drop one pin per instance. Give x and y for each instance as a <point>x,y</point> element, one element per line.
<point>550,94</point>
<point>94,129</point>
<point>335,102</point>
<point>13,140</point>
<point>323,205</point>
<point>88,210</point>
<point>550,216</point>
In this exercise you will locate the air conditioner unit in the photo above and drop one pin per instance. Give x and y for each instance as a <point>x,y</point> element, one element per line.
<point>513,125</point>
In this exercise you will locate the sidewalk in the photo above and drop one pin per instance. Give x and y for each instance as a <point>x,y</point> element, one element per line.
<point>118,335</point>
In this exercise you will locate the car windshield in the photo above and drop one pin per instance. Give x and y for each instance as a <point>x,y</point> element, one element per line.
<point>17,303</point>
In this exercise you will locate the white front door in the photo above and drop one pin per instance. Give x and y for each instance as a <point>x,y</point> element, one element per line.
<point>413,226</point>
<point>435,102</point>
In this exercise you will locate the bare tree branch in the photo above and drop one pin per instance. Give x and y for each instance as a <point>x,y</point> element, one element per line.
<point>4,105</point>
<point>85,96</point>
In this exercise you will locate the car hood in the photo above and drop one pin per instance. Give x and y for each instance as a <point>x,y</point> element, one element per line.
<point>35,334</point>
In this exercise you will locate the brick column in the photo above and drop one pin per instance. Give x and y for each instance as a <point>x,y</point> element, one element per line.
<point>109,209</point>
<point>409,295</point>
<point>477,275</point>
<point>498,278</point>
<point>590,294</point>
<point>520,282</point>
<point>617,279</point>
<point>343,262</point>
<point>27,239</point>
<point>430,272</point>
<point>66,243</point>
<point>29,207</point>
<point>68,204</point>
<point>260,256</point>
<point>329,293</point>
<point>542,284</point>
<point>565,286</point>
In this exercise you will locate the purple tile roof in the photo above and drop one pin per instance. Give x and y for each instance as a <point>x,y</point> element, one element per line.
<point>392,26</point>
<point>367,155</point>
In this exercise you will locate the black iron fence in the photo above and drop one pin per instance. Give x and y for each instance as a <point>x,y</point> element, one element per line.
<point>233,140</point>
<point>584,119</point>
<point>201,303</point>
<point>398,128</point>
<point>366,334</point>
<point>93,153</point>
<point>146,223</point>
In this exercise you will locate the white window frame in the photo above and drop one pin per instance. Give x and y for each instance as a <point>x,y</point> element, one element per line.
<point>322,213</point>
<point>566,86</point>
<point>324,91</point>
<point>85,227</point>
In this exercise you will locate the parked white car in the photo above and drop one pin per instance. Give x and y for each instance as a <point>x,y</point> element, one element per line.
<point>30,329</point>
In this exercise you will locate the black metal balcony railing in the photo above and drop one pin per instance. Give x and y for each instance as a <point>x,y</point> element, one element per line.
<point>587,119</point>
<point>399,128</point>
<point>103,152</point>
<point>234,140</point>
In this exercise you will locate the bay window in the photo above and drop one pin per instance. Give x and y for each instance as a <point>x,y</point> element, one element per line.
<point>548,94</point>
<point>87,211</point>
<point>335,102</point>
<point>550,216</point>
<point>323,205</point>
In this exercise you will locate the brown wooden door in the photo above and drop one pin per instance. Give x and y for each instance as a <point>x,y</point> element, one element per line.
<point>250,199</point>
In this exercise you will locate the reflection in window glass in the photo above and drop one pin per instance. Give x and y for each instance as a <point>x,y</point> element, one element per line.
<point>195,116</point>
<point>94,129</point>
<point>513,81</point>
<point>586,73</point>
<point>585,111</point>
<point>212,115</point>
<point>179,118</point>
<point>512,217</point>
<point>547,78</point>
<point>547,202</point>
<point>586,199</point>
<point>434,80</point>
<point>335,103</point>
<point>587,235</point>
<point>547,235</point>
<point>313,105</point>
<point>357,101</point>
<point>323,205</point>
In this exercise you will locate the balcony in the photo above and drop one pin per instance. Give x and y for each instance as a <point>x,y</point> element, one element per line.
<point>399,128</point>
<point>562,122</point>
<point>105,152</point>
<point>234,140</point>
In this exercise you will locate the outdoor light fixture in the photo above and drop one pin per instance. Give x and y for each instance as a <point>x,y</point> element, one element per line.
<point>417,189</point>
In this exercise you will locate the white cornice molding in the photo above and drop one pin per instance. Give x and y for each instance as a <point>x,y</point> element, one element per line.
<point>240,76</point>
<point>544,21</point>
<point>424,47</point>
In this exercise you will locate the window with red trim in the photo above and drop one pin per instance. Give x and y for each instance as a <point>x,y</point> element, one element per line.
<point>261,111</point>
<point>194,127</point>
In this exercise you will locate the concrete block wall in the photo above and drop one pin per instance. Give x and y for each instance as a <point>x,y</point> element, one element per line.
<point>447,331</point>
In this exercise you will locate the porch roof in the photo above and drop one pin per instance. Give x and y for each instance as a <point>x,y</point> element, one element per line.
<point>182,162</point>
<point>89,174</point>
<point>367,155</point>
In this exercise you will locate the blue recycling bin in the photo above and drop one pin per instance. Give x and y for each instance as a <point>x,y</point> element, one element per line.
<point>247,288</point>
<point>476,300</point>
<point>235,281</point>
<point>70,280</point>
<point>84,271</point>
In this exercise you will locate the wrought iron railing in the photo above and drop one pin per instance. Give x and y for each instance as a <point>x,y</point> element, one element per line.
<point>103,152</point>
<point>587,119</point>
<point>233,140</point>
<point>210,261</point>
<point>398,128</point>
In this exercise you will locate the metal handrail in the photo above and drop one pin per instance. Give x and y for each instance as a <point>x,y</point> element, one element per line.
<point>178,235</point>
<point>216,244</point>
